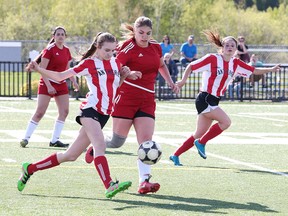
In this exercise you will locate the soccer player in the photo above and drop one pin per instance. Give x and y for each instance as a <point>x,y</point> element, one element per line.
<point>56,56</point>
<point>103,74</point>
<point>218,71</point>
<point>135,103</point>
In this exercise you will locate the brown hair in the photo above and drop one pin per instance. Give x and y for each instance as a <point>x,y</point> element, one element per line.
<point>98,43</point>
<point>127,30</point>
<point>52,40</point>
<point>166,36</point>
<point>214,38</point>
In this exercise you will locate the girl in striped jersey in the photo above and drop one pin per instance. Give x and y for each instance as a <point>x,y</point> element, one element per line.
<point>104,75</point>
<point>135,102</point>
<point>218,71</point>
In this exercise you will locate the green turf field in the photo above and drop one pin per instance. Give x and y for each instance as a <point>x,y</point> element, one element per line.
<point>245,172</point>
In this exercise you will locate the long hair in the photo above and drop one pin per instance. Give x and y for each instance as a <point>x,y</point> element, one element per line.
<point>52,40</point>
<point>166,36</point>
<point>214,38</point>
<point>98,43</point>
<point>127,30</point>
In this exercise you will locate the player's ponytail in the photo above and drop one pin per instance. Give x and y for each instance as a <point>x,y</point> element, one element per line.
<point>213,37</point>
<point>98,43</point>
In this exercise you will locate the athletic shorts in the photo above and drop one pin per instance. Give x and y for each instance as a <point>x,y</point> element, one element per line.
<point>92,113</point>
<point>206,102</point>
<point>133,104</point>
<point>61,89</point>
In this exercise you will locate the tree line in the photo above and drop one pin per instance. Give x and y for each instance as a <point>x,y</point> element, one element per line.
<point>260,21</point>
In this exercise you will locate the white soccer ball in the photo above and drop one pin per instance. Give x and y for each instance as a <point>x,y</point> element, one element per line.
<point>149,152</point>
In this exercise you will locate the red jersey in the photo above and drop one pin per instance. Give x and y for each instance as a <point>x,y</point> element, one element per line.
<point>58,58</point>
<point>217,73</point>
<point>103,78</point>
<point>145,60</point>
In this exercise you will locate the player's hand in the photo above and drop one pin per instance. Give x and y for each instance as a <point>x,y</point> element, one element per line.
<point>134,75</point>
<point>76,87</point>
<point>32,66</point>
<point>51,90</point>
<point>180,83</point>
<point>174,88</point>
<point>28,67</point>
<point>124,71</point>
<point>276,68</point>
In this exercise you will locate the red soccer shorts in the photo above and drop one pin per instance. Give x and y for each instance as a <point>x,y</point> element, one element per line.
<point>61,89</point>
<point>132,104</point>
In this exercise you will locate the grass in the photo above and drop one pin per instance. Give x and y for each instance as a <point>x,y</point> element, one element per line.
<point>245,172</point>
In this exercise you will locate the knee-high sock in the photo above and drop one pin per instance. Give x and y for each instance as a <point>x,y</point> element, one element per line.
<point>144,171</point>
<point>32,125</point>
<point>58,127</point>
<point>213,131</point>
<point>46,163</point>
<point>102,168</point>
<point>189,143</point>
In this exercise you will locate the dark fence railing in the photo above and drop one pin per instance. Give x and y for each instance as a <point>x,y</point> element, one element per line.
<point>15,82</point>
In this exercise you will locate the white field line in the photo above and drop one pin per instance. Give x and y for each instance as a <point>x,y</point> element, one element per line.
<point>253,138</point>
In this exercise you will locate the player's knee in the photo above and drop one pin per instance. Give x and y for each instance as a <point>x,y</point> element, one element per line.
<point>116,141</point>
<point>226,124</point>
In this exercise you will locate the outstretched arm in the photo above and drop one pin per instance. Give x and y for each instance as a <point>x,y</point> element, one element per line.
<point>58,76</point>
<point>260,71</point>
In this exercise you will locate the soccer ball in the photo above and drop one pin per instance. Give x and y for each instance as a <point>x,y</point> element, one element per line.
<point>149,152</point>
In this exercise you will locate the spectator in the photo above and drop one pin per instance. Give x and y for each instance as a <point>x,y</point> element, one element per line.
<point>171,65</point>
<point>166,46</point>
<point>235,86</point>
<point>188,51</point>
<point>256,78</point>
<point>242,50</point>
<point>173,70</point>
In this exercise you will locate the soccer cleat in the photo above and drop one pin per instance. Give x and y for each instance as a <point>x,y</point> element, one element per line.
<point>201,148</point>
<point>24,177</point>
<point>116,187</point>
<point>148,187</point>
<point>23,143</point>
<point>175,160</point>
<point>89,155</point>
<point>58,143</point>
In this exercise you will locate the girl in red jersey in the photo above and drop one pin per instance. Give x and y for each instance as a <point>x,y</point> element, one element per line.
<point>135,102</point>
<point>103,75</point>
<point>218,71</point>
<point>56,56</point>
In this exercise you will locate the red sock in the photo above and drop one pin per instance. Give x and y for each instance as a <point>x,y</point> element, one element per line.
<point>102,168</point>
<point>46,163</point>
<point>213,131</point>
<point>189,143</point>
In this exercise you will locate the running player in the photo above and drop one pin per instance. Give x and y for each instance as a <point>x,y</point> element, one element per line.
<point>102,72</point>
<point>56,56</point>
<point>218,71</point>
<point>135,102</point>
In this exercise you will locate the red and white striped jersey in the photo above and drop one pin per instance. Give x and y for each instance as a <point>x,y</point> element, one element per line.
<point>102,77</point>
<point>58,58</point>
<point>217,73</point>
